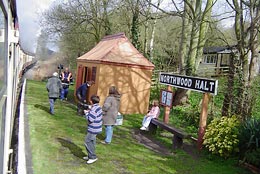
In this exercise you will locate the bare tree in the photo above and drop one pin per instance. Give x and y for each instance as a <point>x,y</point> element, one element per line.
<point>246,30</point>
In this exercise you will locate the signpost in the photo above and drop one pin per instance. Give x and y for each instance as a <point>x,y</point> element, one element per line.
<point>207,86</point>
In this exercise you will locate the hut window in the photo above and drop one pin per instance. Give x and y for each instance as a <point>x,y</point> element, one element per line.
<point>210,58</point>
<point>79,76</point>
<point>225,59</point>
<point>93,75</point>
<point>85,74</point>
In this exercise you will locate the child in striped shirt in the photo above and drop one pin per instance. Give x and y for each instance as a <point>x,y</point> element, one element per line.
<point>94,117</point>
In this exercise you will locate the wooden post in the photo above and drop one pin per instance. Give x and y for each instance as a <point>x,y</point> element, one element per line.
<point>203,119</point>
<point>167,109</point>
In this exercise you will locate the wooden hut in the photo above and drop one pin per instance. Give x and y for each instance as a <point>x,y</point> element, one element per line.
<point>114,61</point>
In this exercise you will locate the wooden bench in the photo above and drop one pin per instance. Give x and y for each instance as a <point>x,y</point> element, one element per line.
<point>178,135</point>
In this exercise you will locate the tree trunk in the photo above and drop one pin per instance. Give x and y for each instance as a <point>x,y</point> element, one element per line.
<point>253,47</point>
<point>245,99</point>
<point>106,18</point>
<point>254,41</point>
<point>146,38</point>
<point>152,38</point>
<point>206,18</point>
<point>186,28</point>
<point>153,32</point>
<point>240,35</point>
<point>230,87</point>
<point>178,96</point>
<point>135,26</point>
<point>194,40</point>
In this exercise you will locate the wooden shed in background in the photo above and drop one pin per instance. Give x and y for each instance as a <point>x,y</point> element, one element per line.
<point>114,61</point>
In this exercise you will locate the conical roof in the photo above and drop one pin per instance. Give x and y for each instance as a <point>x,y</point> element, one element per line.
<point>117,49</point>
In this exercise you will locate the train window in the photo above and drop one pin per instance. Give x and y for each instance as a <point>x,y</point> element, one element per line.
<point>3,65</point>
<point>2,50</point>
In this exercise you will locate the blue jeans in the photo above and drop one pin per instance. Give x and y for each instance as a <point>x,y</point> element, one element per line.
<point>109,133</point>
<point>146,121</point>
<point>90,144</point>
<point>64,93</point>
<point>51,101</point>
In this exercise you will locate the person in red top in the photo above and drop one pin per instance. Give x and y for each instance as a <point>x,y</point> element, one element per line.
<point>153,113</point>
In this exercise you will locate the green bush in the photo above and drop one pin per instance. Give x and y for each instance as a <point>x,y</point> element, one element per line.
<point>249,135</point>
<point>253,157</point>
<point>221,136</point>
<point>190,116</point>
<point>249,140</point>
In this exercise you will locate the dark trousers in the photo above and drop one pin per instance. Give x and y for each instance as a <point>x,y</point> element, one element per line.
<point>80,109</point>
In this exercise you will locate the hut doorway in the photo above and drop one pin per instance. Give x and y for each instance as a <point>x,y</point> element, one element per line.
<point>85,74</point>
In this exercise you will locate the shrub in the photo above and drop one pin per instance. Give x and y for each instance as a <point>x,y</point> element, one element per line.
<point>249,140</point>
<point>249,135</point>
<point>253,157</point>
<point>221,136</point>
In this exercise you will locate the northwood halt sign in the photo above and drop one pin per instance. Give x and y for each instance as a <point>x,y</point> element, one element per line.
<point>187,82</point>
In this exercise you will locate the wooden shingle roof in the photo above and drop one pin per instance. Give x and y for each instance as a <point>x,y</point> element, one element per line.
<point>117,49</point>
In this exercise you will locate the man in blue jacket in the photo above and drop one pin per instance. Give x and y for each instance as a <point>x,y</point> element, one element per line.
<point>81,94</point>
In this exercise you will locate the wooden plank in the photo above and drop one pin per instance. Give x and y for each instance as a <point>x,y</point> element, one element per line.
<point>79,77</point>
<point>170,129</point>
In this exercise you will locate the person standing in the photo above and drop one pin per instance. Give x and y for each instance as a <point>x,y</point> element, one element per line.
<point>110,112</point>
<point>94,117</point>
<point>81,94</point>
<point>53,87</point>
<point>153,113</point>
<point>65,79</point>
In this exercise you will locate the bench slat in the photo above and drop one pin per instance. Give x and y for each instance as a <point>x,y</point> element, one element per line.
<point>170,129</point>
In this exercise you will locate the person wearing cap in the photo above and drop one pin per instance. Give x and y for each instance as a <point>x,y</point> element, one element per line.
<point>53,86</point>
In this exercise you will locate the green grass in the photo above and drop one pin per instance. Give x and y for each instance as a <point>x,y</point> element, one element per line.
<point>57,144</point>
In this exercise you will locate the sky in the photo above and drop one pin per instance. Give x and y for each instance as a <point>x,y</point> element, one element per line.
<point>28,15</point>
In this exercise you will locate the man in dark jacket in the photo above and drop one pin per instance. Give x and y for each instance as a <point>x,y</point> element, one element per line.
<point>81,94</point>
<point>53,87</point>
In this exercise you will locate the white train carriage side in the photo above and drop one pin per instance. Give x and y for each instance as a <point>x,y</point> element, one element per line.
<point>12,62</point>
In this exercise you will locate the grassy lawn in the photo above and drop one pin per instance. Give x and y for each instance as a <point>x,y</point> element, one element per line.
<point>57,144</point>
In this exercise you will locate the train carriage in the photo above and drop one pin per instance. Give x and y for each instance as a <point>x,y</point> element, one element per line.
<point>12,61</point>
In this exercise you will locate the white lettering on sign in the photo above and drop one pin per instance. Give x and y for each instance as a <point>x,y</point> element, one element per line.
<point>193,83</point>
<point>176,80</point>
<point>211,85</point>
